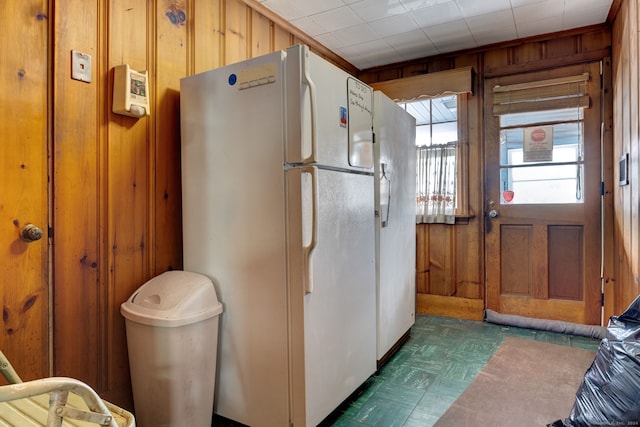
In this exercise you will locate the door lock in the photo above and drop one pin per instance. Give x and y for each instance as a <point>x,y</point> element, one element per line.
<point>31,233</point>
<point>493,213</point>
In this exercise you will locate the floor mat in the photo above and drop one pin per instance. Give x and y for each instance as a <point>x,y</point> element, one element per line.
<point>525,383</point>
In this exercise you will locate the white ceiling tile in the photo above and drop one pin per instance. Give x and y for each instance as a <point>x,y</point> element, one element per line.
<point>474,7</point>
<point>373,52</point>
<point>437,14</point>
<point>488,22</point>
<point>330,41</point>
<point>413,44</point>
<point>410,40</point>
<point>367,49</point>
<point>311,7</point>
<point>337,19</point>
<point>544,26</point>
<point>550,9</point>
<point>485,31</point>
<point>578,5</point>
<point>518,3</point>
<point>450,36</point>
<point>587,16</point>
<point>490,37</point>
<point>309,26</point>
<point>393,25</point>
<point>355,35</point>
<point>371,10</point>
<point>285,8</point>
<point>419,4</point>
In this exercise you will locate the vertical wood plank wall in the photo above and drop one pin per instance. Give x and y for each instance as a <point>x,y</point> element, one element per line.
<point>24,128</point>
<point>626,107</point>
<point>450,264</point>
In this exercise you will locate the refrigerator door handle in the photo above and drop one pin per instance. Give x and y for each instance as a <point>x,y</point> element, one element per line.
<point>306,79</point>
<point>308,249</point>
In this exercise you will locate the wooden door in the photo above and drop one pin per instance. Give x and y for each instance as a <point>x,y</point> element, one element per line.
<point>543,201</point>
<point>23,186</point>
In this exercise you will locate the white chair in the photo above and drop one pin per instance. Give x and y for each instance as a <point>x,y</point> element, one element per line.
<point>55,402</point>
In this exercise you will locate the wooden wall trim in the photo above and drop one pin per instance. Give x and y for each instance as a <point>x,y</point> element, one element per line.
<point>459,308</point>
<point>455,81</point>
<point>452,56</point>
<point>548,63</point>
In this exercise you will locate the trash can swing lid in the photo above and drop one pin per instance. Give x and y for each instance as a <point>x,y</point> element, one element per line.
<point>171,299</point>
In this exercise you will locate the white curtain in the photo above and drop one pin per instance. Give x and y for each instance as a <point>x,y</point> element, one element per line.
<point>436,184</point>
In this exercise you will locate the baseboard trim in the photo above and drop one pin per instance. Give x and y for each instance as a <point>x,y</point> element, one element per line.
<point>460,308</point>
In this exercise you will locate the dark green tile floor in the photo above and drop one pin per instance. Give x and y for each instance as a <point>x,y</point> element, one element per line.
<point>429,372</point>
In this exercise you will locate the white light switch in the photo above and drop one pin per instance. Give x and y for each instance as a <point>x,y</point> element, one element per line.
<point>80,66</point>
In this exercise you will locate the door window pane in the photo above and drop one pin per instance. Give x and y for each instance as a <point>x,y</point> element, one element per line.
<point>555,173</point>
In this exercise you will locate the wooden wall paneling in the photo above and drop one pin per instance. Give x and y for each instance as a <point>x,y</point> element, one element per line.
<point>24,283</point>
<point>469,283</point>
<point>626,146</point>
<point>598,39</point>
<point>78,164</point>
<point>172,64</point>
<point>442,268</point>
<point>549,51</point>
<point>260,35</point>
<point>130,188</point>
<point>617,212</point>
<point>422,259</point>
<point>237,45</point>
<point>634,141</point>
<point>282,39</point>
<point>626,139</point>
<point>206,35</point>
<point>469,236</point>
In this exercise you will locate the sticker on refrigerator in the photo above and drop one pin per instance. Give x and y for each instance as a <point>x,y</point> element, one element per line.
<point>257,76</point>
<point>343,117</point>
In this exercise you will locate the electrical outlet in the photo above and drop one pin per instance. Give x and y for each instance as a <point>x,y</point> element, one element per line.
<point>80,66</point>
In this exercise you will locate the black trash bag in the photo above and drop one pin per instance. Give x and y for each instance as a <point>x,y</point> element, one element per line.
<point>609,394</point>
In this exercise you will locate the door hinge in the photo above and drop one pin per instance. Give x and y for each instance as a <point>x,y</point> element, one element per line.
<point>50,232</point>
<point>601,299</point>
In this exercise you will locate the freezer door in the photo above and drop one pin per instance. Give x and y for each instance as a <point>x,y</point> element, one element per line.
<point>329,113</point>
<point>395,185</point>
<point>332,288</point>
<point>234,229</point>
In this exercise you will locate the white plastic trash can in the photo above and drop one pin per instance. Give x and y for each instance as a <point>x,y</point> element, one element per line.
<point>172,339</point>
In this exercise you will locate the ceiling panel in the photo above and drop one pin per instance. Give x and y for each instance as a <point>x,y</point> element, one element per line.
<point>369,33</point>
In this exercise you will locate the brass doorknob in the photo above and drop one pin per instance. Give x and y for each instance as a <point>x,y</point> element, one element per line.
<point>31,233</point>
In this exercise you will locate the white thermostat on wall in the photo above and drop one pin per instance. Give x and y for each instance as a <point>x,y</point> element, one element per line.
<point>130,92</point>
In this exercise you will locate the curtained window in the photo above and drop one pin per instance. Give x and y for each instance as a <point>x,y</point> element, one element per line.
<point>438,102</point>
<point>436,182</point>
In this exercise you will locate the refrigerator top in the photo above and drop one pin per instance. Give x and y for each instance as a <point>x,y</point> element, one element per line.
<point>327,114</point>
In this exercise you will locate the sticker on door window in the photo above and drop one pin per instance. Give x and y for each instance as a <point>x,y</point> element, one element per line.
<point>538,144</point>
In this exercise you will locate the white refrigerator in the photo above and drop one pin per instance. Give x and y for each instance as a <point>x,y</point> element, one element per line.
<point>395,198</point>
<point>278,210</point>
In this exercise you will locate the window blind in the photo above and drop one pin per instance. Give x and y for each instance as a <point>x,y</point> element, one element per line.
<point>551,94</point>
